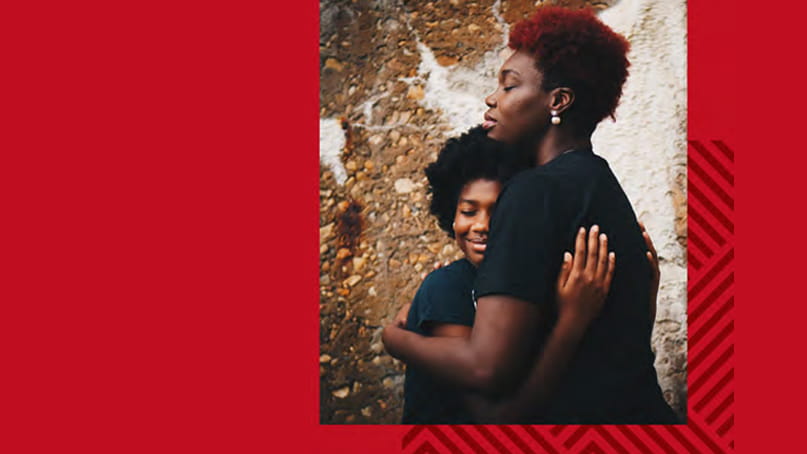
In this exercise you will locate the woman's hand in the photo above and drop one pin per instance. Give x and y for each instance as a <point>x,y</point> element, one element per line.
<point>655,278</point>
<point>585,279</point>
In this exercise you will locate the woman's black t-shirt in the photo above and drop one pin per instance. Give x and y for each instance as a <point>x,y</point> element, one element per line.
<point>445,296</point>
<point>611,378</point>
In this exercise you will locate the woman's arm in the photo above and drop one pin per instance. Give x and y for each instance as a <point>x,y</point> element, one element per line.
<point>581,292</point>
<point>489,358</point>
<point>495,344</point>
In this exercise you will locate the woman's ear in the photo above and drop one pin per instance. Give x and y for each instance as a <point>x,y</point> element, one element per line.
<point>561,98</point>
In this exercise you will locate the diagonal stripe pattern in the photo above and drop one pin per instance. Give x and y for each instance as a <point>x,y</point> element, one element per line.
<point>710,419</point>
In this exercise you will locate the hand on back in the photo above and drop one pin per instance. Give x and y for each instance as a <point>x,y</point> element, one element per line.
<point>585,277</point>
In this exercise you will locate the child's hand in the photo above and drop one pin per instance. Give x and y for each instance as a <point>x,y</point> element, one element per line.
<point>655,277</point>
<point>437,266</point>
<point>585,278</point>
<point>401,316</point>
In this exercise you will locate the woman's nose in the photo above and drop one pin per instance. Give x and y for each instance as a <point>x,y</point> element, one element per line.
<point>490,100</point>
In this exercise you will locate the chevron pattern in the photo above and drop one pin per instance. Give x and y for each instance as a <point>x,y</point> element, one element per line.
<point>710,425</point>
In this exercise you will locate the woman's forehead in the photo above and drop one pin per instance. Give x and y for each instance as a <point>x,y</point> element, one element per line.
<point>521,63</point>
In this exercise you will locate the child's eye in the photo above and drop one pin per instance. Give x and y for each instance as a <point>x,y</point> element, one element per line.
<point>509,88</point>
<point>468,213</point>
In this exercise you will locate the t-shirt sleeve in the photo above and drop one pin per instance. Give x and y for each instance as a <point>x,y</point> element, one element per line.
<point>443,299</point>
<point>523,254</point>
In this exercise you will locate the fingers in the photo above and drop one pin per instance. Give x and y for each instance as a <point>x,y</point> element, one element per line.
<point>609,275</point>
<point>593,250</point>
<point>652,255</point>
<point>565,270</point>
<point>602,258</point>
<point>579,259</point>
<point>651,259</point>
<point>647,239</point>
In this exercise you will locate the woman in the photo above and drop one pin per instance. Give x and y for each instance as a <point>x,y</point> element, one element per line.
<point>465,182</point>
<point>565,76</point>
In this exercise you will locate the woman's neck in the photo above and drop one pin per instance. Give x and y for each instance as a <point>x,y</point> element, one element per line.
<point>556,142</point>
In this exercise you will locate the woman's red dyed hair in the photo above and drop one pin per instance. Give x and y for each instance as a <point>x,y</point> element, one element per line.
<point>574,49</point>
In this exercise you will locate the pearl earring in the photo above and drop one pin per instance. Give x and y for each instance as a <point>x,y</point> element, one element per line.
<point>555,118</point>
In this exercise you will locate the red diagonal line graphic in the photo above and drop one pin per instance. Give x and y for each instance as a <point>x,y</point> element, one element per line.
<point>720,408</point>
<point>618,448</point>
<point>468,439</point>
<point>703,305</point>
<point>693,389</point>
<point>725,149</point>
<point>719,337</point>
<point>438,433</point>
<point>728,257</point>
<point>708,181</point>
<point>693,260</point>
<point>634,439</point>
<point>715,389</point>
<point>657,438</point>
<point>704,152</point>
<point>716,317</point>
<point>540,439</point>
<point>434,430</point>
<point>693,426</point>
<point>592,447</point>
<point>726,426</point>
<point>409,436</point>
<point>693,213</point>
<point>575,436</point>
<point>513,436</point>
<point>492,440</point>
<point>681,438</point>
<point>711,208</point>
<point>556,430</point>
<point>697,241</point>
<point>724,309</point>
<point>426,448</point>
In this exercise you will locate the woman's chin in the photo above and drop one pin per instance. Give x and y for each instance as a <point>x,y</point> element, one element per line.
<point>495,134</point>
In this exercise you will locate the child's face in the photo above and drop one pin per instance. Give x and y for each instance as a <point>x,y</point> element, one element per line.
<point>472,218</point>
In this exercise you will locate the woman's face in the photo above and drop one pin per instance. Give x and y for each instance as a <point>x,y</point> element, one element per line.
<point>518,109</point>
<point>472,217</point>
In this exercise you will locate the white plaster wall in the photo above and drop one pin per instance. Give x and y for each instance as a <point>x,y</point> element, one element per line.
<point>646,148</point>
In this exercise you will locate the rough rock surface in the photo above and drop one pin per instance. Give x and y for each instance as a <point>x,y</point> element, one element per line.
<point>400,77</point>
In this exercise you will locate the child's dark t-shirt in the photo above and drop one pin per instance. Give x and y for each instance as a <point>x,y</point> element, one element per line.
<point>445,296</point>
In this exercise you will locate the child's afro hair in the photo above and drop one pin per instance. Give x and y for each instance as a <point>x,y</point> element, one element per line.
<point>574,49</point>
<point>464,159</point>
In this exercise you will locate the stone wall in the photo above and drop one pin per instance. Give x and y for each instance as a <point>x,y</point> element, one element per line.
<point>400,77</point>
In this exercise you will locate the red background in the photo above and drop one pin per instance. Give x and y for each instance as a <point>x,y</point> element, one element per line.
<point>159,193</point>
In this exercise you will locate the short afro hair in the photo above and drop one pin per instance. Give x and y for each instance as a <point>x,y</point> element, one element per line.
<point>464,159</point>
<point>574,49</point>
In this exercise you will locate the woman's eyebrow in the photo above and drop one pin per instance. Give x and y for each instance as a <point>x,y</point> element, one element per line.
<point>471,201</point>
<point>505,72</point>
